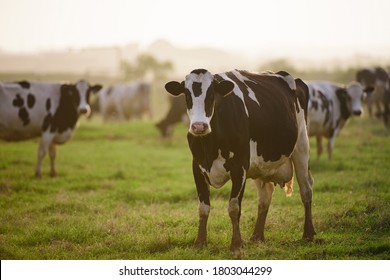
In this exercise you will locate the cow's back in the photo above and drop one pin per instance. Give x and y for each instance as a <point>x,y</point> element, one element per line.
<point>24,106</point>
<point>321,113</point>
<point>269,110</point>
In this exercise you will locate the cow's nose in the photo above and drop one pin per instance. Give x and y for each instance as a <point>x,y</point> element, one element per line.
<point>199,128</point>
<point>357,112</point>
<point>83,110</point>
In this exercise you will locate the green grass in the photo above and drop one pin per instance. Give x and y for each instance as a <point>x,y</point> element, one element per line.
<point>124,193</point>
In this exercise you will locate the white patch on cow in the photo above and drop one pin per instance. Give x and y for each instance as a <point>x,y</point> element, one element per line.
<point>236,90</point>
<point>82,88</point>
<point>61,138</point>
<point>279,171</point>
<point>203,209</point>
<point>289,80</point>
<point>243,79</point>
<point>356,91</point>
<point>197,113</point>
<point>218,175</point>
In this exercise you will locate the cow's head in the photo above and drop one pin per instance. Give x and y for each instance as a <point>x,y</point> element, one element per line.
<point>367,79</point>
<point>80,93</point>
<point>352,97</point>
<point>200,89</point>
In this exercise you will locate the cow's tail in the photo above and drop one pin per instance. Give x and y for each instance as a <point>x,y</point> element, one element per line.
<point>288,187</point>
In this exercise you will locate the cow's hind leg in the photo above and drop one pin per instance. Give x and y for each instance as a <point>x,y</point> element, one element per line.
<point>300,159</point>
<point>264,195</point>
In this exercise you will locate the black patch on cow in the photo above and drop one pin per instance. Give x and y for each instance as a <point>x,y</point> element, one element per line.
<point>241,85</point>
<point>209,102</point>
<point>23,115</point>
<point>381,74</point>
<point>188,96</point>
<point>18,101</point>
<point>314,105</point>
<point>199,71</point>
<point>30,100</point>
<point>66,115</point>
<point>366,77</point>
<point>302,92</point>
<point>344,99</point>
<point>283,73</point>
<point>197,89</point>
<point>325,105</point>
<point>48,104</point>
<point>24,84</point>
<point>273,125</point>
<point>47,121</point>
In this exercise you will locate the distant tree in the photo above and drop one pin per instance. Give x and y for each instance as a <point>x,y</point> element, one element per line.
<point>145,65</point>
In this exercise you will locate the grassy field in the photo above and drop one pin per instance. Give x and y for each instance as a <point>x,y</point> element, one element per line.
<point>124,193</point>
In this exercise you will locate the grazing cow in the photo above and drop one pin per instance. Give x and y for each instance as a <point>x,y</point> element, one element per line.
<point>126,101</point>
<point>375,78</point>
<point>246,125</point>
<point>177,110</point>
<point>49,110</point>
<point>330,106</point>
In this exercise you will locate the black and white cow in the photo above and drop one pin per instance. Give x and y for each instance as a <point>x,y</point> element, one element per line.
<point>330,106</point>
<point>126,101</point>
<point>46,110</point>
<point>375,78</point>
<point>246,125</point>
<point>177,112</point>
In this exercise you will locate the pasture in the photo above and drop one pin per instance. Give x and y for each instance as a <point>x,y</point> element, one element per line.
<point>124,193</point>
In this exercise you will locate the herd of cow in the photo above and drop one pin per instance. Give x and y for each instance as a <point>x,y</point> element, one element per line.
<point>241,125</point>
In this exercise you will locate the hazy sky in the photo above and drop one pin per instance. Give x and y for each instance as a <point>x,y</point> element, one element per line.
<point>246,26</point>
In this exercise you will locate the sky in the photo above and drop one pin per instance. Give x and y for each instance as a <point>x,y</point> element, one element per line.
<point>243,26</point>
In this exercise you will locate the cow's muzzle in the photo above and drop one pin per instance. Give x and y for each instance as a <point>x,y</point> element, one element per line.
<point>85,111</point>
<point>200,129</point>
<point>357,112</point>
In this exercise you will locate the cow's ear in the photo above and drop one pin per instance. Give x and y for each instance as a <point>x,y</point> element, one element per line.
<point>96,88</point>
<point>175,88</point>
<point>224,87</point>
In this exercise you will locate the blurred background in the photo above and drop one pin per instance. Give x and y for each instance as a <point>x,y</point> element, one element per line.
<point>116,41</point>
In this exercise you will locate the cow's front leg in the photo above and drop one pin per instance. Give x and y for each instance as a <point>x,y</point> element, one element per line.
<point>238,176</point>
<point>203,190</point>
<point>52,154</point>
<point>42,150</point>
<point>44,144</point>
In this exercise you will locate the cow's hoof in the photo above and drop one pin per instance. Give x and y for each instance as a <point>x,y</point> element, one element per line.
<point>199,244</point>
<point>257,237</point>
<point>236,246</point>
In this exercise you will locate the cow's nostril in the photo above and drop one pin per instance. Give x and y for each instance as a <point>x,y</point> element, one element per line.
<point>199,127</point>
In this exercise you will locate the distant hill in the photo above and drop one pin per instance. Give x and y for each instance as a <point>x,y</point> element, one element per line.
<point>105,61</point>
